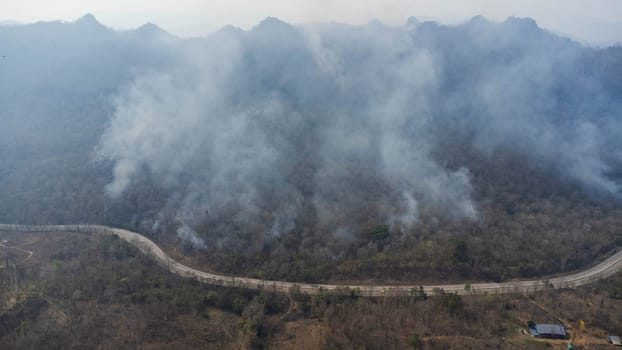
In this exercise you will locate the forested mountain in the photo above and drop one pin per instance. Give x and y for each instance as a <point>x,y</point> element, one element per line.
<point>57,89</point>
<point>321,151</point>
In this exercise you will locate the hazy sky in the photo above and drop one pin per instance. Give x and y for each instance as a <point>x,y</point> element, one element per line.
<point>596,20</point>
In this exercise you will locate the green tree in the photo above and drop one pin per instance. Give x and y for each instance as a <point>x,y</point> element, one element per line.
<point>415,342</point>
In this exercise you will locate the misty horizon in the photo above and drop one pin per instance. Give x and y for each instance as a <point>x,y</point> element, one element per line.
<point>205,30</point>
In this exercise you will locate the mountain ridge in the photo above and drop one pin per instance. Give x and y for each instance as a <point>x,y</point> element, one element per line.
<point>351,144</point>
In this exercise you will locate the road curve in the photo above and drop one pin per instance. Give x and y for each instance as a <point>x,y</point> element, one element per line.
<point>600,271</point>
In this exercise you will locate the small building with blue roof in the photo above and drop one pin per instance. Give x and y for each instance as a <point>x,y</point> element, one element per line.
<point>548,331</point>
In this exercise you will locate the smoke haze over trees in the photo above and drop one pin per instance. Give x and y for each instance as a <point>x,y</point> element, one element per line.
<point>315,132</point>
<point>340,122</point>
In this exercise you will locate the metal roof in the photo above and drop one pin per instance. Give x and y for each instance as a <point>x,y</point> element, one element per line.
<point>553,329</point>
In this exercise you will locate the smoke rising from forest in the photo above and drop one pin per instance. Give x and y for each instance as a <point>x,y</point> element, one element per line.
<point>344,126</point>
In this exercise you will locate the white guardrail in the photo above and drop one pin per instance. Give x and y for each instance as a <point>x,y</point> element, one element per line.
<point>600,271</point>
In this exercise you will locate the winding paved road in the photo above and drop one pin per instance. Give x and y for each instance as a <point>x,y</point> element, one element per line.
<point>600,271</point>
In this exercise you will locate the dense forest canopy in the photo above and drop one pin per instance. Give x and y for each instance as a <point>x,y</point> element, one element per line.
<point>376,147</point>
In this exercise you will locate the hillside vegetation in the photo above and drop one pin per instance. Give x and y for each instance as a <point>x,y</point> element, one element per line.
<point>482,151</point>
<point>81,292</point>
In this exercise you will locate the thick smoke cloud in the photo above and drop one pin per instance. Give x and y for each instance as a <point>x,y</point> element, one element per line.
<point>267,130</point>
<point>543,96</point>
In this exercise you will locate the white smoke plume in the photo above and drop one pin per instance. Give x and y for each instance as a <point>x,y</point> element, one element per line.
<point>278,126</point>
